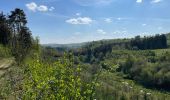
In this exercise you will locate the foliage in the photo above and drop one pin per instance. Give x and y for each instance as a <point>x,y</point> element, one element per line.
<point>4,51</point>
<point>5,33</point>
<point>15,34</point>
<point>60,80</point>
<point>154,42</point>
<point>151,71</point>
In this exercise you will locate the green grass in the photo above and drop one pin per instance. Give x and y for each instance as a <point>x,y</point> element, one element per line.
<point>5,52</point>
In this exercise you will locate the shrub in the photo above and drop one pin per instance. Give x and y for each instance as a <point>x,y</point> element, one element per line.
<point>60,80</point>
<point>4,51</point>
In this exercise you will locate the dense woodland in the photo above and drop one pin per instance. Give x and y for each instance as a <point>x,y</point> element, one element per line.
<point>116,69</point>
<point>153,42</point>
<point>15,35</point>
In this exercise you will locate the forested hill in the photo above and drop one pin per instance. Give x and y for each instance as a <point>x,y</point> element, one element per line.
<point>168,39</point>
<point>143,43</point>
<point>71,45</point>
<point>137,43</point>
<point>146,42</point>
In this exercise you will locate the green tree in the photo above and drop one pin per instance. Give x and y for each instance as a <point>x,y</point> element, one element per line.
<point>5,33</point>
<point>21,39</point>
<point>17,20</point>
<point>24,42</point>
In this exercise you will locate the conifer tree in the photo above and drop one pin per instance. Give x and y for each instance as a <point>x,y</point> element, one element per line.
<point>5,33</point>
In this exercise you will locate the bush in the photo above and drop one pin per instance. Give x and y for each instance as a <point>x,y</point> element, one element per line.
<point>4,51</point>
<point>60,80</point>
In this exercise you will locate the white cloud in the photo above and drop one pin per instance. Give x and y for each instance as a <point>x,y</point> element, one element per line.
<point>119,18</point>
<point>80,20</point>
<point>144,24</point>
<point>42,8</point>
<point>104,2</point>
<point>139,1</point>
<point>51,8</point>
<point>93,2</point>
<point>156,1</point>
<point>108,20</point>
<point>152,1</point>
<point>122,18</point>
<point>145,33</point>
<point>32,6</point>
<point>100,31</point>
<point>78,14</point>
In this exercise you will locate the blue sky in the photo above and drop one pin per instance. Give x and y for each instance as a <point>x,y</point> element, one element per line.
<point>74,21</point>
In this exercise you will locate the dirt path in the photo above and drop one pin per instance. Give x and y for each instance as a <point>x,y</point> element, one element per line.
<point>4,65</point>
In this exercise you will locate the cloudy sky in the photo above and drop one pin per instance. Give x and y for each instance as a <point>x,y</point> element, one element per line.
<point>73,21</point>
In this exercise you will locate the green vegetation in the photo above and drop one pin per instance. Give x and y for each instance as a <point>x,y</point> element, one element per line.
<point>168,39</point>
<point>145,70</point>
<point>58,80</point>
<point>119,69</point>
<point>148,68</point>
<point>4,52</point>
<point>154,42</point>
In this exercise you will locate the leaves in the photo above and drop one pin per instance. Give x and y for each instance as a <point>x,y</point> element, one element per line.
<point>60,80</point>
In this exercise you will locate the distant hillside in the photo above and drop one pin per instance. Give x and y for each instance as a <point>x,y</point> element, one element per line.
<point>115,43</point>
<point>71,45</point>
<point>168,39</point>
<point>128,43</point>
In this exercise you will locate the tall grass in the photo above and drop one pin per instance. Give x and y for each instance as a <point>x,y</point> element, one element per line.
<point>4,51</point>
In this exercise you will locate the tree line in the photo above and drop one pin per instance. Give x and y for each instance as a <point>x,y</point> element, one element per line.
<point>15,34</point>
<point>154,42</point>
<point>98,50</point>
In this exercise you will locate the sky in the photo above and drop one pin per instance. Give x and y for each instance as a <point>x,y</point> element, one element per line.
<point>76,21</point>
